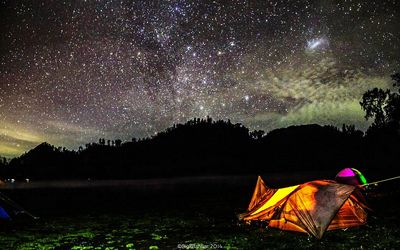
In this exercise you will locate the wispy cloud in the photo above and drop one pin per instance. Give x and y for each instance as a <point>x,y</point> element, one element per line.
<point>15,140</point>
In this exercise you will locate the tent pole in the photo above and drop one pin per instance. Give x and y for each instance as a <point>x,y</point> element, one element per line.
<point>15,205</point>
<point>376,182</point>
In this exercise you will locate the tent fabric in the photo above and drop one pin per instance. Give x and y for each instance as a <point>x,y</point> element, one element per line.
<point>350,176</point>
<point>313,207</point>
<point>278,195</point>
<point>261,191</point>
<point>3,214</point>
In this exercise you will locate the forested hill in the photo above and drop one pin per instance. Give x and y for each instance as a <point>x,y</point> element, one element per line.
<point>207,147</point>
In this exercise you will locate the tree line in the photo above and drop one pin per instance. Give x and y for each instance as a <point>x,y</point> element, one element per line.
<point>208,147</point>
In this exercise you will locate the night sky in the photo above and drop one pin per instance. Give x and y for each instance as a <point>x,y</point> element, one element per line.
<point>74,71</point>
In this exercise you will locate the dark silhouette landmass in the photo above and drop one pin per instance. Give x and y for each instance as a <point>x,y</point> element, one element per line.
<point>207,147</point>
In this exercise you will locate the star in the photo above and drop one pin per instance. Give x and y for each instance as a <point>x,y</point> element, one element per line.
<point>72,73</point>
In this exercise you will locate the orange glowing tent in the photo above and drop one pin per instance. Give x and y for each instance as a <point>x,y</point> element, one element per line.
<point>313,207</point>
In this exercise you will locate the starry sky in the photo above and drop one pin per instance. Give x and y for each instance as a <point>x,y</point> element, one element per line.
<point>74,71</point>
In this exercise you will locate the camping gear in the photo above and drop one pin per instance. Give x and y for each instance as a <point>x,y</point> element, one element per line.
<point>313,207</point>
<point>351,176</point>
<point>9,209</point>
<point>3,213</point>
<point>377,182</point>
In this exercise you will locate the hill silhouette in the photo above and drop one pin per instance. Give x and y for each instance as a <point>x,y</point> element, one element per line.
<point>207,147</point>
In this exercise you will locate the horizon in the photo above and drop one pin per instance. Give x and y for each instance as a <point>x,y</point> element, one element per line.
<point>73,73</point>
<point>151,136</point>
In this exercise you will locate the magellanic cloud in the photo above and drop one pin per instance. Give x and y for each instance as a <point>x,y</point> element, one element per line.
<point>74,71</point>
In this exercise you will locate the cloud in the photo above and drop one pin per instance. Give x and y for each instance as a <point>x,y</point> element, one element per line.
<point>17,134</point>
<point>317,90</point>
<point>327,113</point>
<point>15,140</point>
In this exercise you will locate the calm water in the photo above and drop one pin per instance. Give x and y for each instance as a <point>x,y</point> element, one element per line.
<point>197,213</point>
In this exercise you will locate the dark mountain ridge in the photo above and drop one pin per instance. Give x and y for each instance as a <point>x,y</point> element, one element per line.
<point>207,147</point>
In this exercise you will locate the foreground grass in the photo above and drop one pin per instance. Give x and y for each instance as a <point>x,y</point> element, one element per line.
<point>121,219</point>
<point>151,231</point>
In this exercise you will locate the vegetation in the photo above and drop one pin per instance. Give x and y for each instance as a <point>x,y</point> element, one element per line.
<point>200,213</point>
<point>207,147</point>
<point>384,107</point>
<point>192,214</point>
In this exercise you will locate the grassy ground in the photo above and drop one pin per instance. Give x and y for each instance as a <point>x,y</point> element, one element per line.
<point>194,218</point>
<point>166,231</point>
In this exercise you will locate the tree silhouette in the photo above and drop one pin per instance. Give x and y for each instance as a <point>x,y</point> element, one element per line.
<point>208,147</point>
<point>257,134</point>
<point>102,141</point>
<point>383,106</point>
<point>3,162</point>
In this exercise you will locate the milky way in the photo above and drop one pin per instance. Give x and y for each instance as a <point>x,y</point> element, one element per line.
<point>74,71</point>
